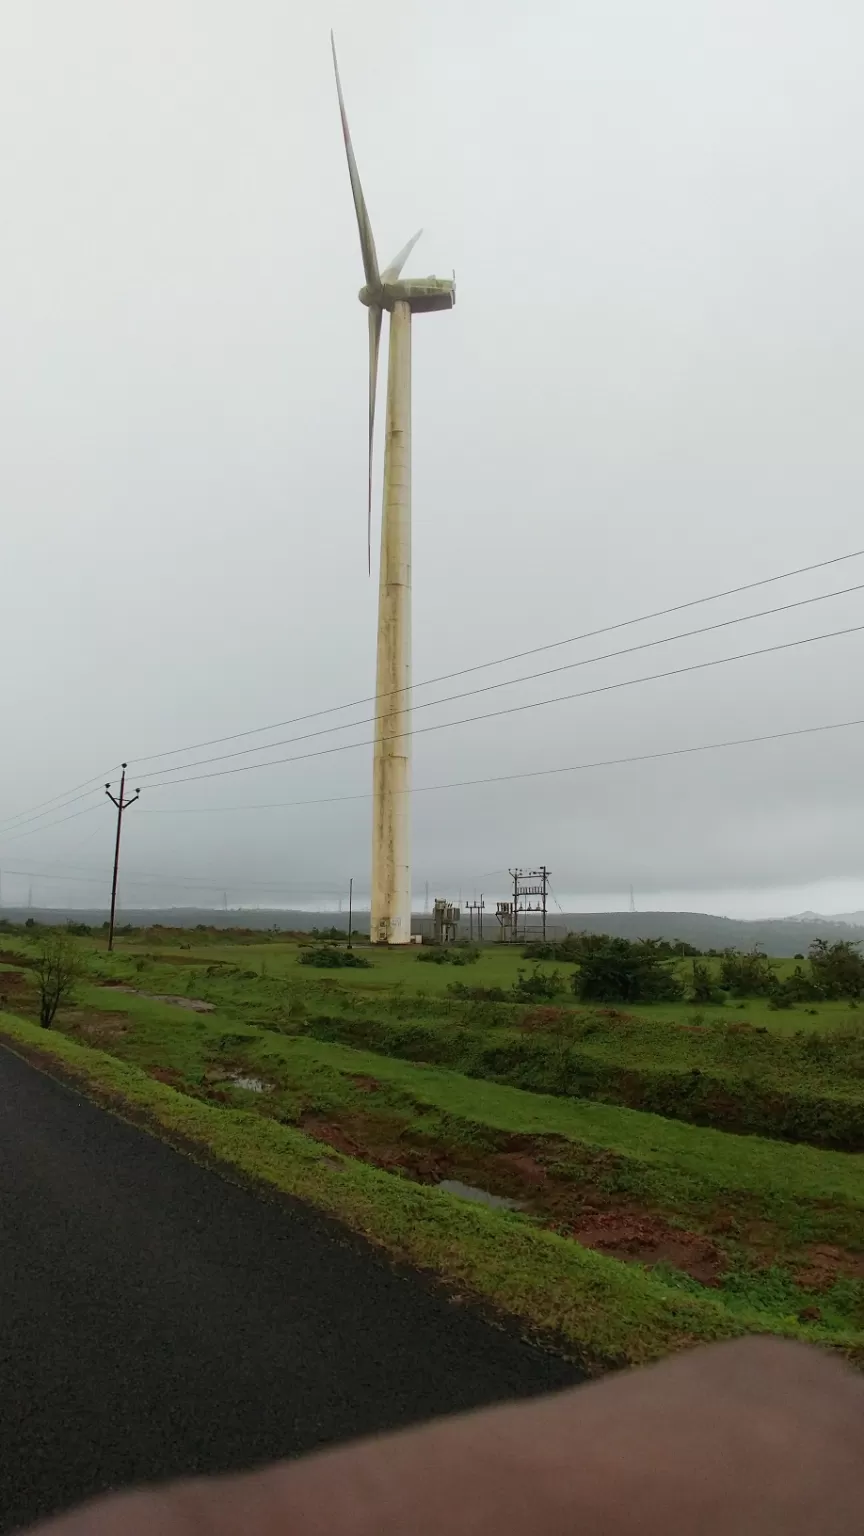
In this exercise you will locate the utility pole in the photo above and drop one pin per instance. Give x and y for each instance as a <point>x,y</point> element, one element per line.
<point>350,910</point>
<point>122,805</point>
<point>528,883</point>
<point>632,900</point>
<point>472,907</point>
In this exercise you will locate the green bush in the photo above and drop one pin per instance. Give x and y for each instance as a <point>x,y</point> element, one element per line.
<point>540,949</point>
<point>329,959</point>
<point>747,973</point>
<point>704,987</point>
<point>837,968</point>
<point>457,954</point>
<point>477,994</point>
<point>626,972</point>
<point>539,984</point>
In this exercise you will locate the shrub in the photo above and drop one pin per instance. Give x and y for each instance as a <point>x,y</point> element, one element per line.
<point>457,954</point>
<point>540,949</point>
<point>327,959</point>
<point>538,984</point>
<point>704,987</point>
<point>626,972</point>
<point>798,988</point>
<point>433,955</point>
<point>747,973</point>
<point>838,968</point>
<point>477,994</point>
<point>57,967</point>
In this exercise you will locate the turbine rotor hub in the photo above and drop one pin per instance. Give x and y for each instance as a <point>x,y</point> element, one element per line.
<point>421,293</point>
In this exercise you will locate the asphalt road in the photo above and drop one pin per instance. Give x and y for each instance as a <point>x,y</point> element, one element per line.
<point>157,1320</point>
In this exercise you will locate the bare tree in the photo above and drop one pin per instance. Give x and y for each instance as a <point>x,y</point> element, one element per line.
<point>57,968</point>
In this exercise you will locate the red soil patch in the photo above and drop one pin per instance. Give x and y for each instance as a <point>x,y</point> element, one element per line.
<point>549,1019</point>
<point>334,1135</point>
<point>826,1264</point>
<point>638,1238</point>
<point>13,981</point>
<point>364,1083</point>
<point>9,957</point>
<point>168,1075</point>
<point>527,1168</point>
<point>96,1028</point>
<point>518,1168</point>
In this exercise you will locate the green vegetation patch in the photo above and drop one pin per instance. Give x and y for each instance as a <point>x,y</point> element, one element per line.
<point>607,1313</point>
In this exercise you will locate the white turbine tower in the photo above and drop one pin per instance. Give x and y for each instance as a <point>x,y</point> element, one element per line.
<point>391,823</point>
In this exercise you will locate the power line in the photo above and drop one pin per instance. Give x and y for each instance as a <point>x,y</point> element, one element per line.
<point>502,778</point>
<point>533,773</point>
<point>178,883</point>
<point>48,825</point>
<point>498,661</point>
<point>515,709</point>
<point>14,822</point>
<point>569,666</point>
<point>71,796</point>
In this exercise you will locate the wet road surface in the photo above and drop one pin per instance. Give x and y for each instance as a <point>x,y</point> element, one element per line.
<point>157,1320</point>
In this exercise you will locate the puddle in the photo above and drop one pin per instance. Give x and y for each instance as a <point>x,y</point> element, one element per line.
<point>194,1004</point>
<point>251,1084</point>
<point>480,1196</point>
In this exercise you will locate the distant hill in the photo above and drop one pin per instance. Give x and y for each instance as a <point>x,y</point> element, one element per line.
<point>854,919</point>
<point>777,936</point>
<point>782,937</point>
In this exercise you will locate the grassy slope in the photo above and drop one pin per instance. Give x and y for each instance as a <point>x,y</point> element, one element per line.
<point>497,966</point>
<point>722,1160</point>
<point>774,1199</point>
<point>725,1074</point>
<point>608,1313</point>
<point>807,1194</point>
<point>670,1163</point>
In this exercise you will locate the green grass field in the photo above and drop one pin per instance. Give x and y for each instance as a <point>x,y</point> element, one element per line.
<point>623,1231</point>
<point>498,966</point>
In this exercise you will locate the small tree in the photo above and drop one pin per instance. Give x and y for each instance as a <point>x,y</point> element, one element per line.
<point>747,973</point>
<point>838,969</point>
<point>626,972</point>
<point>57,968</point>
<point>704,987</point>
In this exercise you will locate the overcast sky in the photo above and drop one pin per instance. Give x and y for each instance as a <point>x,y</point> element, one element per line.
<point>650,390</point>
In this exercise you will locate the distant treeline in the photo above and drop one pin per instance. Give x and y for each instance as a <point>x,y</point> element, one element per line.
<point>612,969</point>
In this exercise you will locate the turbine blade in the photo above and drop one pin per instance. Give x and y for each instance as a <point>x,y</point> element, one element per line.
<point>367,242</point>
<point>374,342</point>
<point>390,274</point>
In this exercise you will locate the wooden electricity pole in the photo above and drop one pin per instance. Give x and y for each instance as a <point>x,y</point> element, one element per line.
<point>122,805</point>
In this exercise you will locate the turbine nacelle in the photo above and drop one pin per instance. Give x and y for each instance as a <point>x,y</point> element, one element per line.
<point>422,293</point>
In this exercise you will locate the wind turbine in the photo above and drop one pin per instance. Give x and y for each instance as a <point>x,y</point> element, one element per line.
<point>391,815</point>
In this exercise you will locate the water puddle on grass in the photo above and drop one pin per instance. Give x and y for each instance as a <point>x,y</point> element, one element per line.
<point>479,1196</point>
<point>251,1084</point>
<point>194,1004</point>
